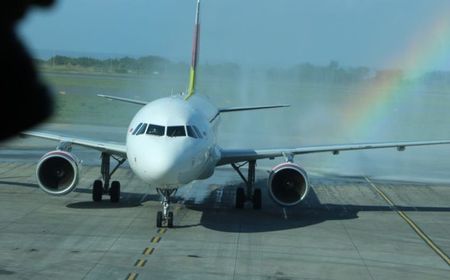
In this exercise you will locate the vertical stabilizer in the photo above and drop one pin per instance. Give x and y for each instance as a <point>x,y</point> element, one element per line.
<point>195,46</point>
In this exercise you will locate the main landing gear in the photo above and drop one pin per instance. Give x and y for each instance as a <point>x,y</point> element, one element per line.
<point>250,194</point>
<point>102,187</point>
<point>165,216</point>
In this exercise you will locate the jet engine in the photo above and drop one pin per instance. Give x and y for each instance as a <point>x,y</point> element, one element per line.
<point>57,172</point>
<point>288,184</point>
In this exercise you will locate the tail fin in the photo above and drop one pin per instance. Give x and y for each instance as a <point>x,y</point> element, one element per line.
<point>195,46</point>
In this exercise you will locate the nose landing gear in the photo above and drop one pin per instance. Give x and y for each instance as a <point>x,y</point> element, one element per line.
<point>165,216</point>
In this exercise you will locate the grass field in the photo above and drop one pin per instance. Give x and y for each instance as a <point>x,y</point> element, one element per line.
<point>76,100</point>
<point>314,107</point>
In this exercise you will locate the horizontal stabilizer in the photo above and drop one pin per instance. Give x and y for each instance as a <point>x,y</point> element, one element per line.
<point>236,109</point>
<point>128,100</point>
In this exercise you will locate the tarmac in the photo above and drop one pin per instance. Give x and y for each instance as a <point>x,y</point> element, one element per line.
<point>347,228</point>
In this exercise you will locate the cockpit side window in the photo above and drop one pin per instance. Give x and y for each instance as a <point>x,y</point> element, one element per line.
<point>156,130</point>
<point>142,129</point>
<point>191,132</point>
<point>137,128</point>
<point>176,131</point>
<point>198,131</point>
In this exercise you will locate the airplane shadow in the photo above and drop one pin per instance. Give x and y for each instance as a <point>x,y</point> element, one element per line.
<point>102,205</point>
<point>13,183</point>
<point>224,217</point>
<point>273,218</point>
<point>127,199</point>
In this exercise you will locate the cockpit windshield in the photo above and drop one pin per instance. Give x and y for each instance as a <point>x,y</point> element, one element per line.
<point>137,128</point>
<point>141,129</point>
<point>199,134</point>
<point>176,131</point>
<point>191,132</point>
<point>171,131</point>
<point>156,130</point>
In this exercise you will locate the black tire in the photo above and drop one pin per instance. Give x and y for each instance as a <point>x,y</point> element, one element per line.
<point>257,199</point>
<point>114,192</point>
<point>97,191</point>
<point>170,220</point>
<point>159,217</point>
<point>240,198</point>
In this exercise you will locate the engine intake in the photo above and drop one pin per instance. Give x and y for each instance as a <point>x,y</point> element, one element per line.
<point>57,172</point>
<point>288,184</point>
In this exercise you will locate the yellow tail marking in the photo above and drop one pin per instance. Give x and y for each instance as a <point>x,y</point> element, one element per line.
<point>191,83</point>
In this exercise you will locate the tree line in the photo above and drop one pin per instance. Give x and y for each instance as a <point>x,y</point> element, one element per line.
<point>141,65</point>
<point>303,72</point>
<point>336,74</point>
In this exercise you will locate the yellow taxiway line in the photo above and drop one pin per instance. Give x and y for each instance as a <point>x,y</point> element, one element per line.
<point>411,223</point>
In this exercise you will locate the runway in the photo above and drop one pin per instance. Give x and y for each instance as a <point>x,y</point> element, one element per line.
<point>344,230</point>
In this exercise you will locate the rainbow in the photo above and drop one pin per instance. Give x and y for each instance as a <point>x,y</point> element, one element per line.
<point>427,50</point>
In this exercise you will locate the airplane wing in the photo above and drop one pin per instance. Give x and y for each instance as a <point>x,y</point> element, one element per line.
<point>108,147</point>
<point>229,156</point>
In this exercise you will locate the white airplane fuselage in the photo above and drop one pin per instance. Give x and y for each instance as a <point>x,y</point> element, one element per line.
<point>165,160</point>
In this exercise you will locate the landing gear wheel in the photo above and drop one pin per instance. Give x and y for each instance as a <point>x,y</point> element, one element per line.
<point>170,220</point>
<point>114,191</point>
<point>159,218</point>
<point>97,191</point>
<point>165,216</point>
<point>240,198</point>
<point>257,199</point>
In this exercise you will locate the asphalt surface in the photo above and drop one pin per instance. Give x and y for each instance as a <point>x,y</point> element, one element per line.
<point>347,228</point>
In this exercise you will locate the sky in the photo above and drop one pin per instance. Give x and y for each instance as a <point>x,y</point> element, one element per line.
<point>373,33</point>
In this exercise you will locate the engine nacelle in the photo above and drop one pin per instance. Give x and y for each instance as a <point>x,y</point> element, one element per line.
<point>57,172</point>
<point>288,184</point>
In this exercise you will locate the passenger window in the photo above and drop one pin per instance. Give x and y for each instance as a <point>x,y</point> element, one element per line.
<point>137,128</point>
<point>155,130</point>
<point>176,131</point>
<point>142,129</point>
<point>197,131</point>
<point>191,132</point>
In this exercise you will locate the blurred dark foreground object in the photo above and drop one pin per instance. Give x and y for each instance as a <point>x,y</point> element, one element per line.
<point>24,99</point>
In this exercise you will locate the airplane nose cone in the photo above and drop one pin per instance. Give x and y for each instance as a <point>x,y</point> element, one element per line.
<point>163,167</point>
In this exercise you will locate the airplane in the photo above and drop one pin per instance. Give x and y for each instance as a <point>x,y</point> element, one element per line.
<point>172,141</point>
